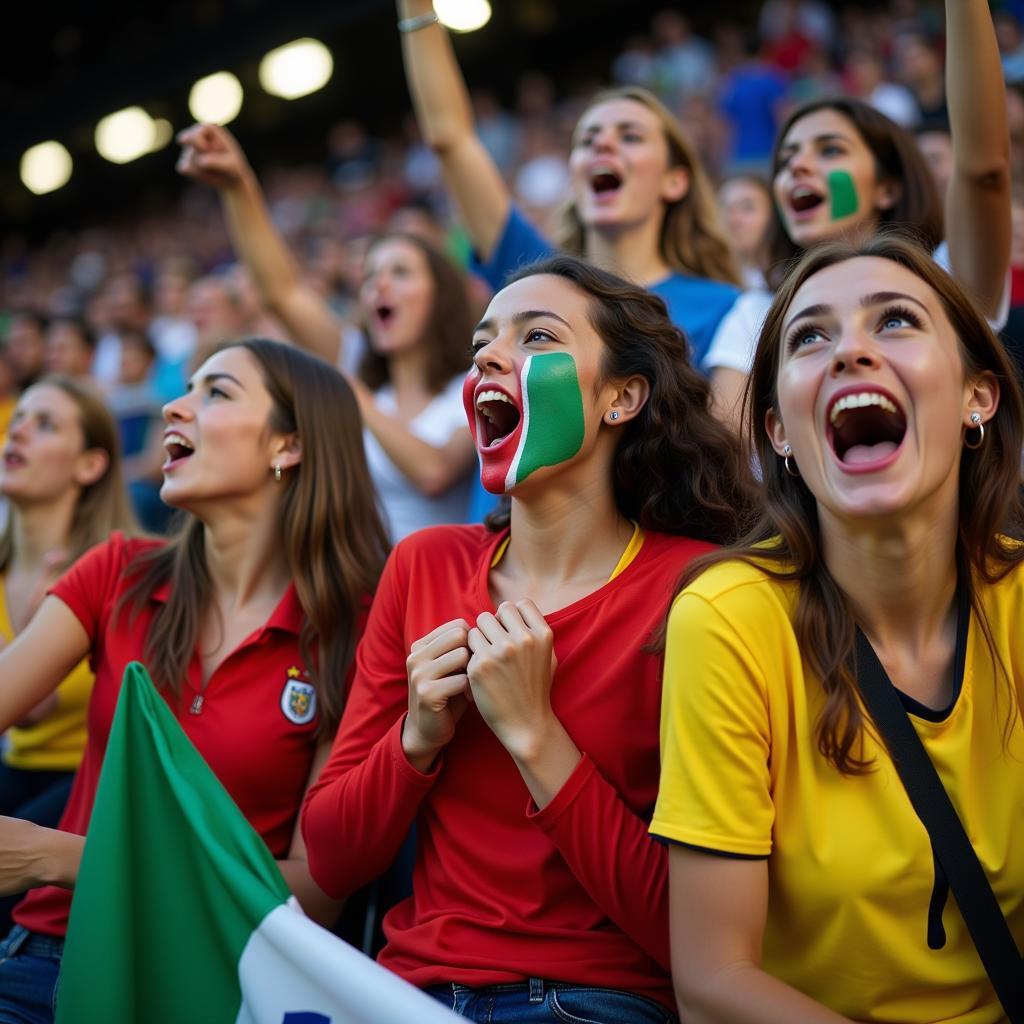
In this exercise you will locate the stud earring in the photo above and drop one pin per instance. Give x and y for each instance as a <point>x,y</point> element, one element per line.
<point>787,452</point>
<point>980,427</point>
<point>613,415</point>
<point>277,473</point>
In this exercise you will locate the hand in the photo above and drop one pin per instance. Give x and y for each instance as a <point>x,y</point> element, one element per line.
<point>210,154</point>
<point>438,690</point>
<point>31,855</point>
<point>510,675</point>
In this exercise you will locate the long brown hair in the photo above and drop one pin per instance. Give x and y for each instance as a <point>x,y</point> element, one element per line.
<point>331,531</point>
<point>676,469</point>
<point>448,326</point>
<point>692,240</point>
<point>103,505</point>
<point>785,542</point>
<point>918,208</point>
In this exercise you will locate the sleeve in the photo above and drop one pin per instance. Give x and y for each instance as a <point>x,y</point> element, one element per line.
<point>626,873</point>
<point>520,244</point>
<point>733,345</point>
<point>998,322</point>
<point>360,809</point>
<point>715,790</point>
<point>88,587</point>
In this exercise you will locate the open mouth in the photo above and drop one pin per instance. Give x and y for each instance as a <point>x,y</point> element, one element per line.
<point>498,417</point>
<point>177,447</point>
<point>12,460</point>
<point>384,313</point>
<point>865,427</point>
<point>803,198</point>
<point>604,179</point>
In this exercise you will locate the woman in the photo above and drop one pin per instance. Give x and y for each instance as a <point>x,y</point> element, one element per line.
<point>642,205</point>
<point>889,425</point>
<point>417,318</point>
<point>745,203</point>
<point>65,494</point>
<point>261,594</point>
<point>841,169</point>
<point>504,698</point>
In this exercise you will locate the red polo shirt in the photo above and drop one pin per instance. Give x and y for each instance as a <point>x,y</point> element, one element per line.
<point>262,757</point>
<point>576,892</point>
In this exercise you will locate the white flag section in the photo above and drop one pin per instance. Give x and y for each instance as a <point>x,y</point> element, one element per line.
<point>294,972</point>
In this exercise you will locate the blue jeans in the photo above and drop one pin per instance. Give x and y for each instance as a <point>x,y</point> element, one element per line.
<point>549,1002</point>
<point>29,965</point>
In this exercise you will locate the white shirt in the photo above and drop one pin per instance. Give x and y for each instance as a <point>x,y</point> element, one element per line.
<point>406,509</point>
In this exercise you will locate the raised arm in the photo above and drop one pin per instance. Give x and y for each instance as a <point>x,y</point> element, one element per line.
<point>445,117</point>
<point>211,155</point>
<point>978,201</point>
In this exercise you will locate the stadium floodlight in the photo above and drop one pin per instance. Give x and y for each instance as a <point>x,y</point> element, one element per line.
<point>45,167</point>
<point>126,135</point>
<point>296,69</point>
<point>216,99</point>
<point>463,15</point>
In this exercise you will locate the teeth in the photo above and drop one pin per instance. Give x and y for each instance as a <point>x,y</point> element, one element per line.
<point>802,190</point>
<point>170,439</point>
<point>491,396</point>
<point>859,401</point>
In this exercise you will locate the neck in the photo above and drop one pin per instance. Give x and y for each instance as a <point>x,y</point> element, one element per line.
<point>407,371</point>
<point>40,530</point>
<point>245,557</point>
<point>633,251</point>
<point>568,532</point>
<point>900,577</point>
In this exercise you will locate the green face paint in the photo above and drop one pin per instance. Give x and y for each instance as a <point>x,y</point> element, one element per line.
<point>842,194</point>
<point>552,425</point>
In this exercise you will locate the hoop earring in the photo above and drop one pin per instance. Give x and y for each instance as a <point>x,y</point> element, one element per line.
<point>976,421</point>
<point>277,472</point>
<point>787,452</point>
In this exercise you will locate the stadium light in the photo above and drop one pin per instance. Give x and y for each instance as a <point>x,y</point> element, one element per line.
<point>45,167</point>
<point>296,69</point>
<point>463,15</point>
<point>216,99</point>
<point>128,134</point>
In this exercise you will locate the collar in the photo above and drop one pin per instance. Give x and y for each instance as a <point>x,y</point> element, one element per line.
<point>287,616</point>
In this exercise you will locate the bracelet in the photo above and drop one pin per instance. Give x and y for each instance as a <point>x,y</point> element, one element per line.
<point>420,21</point>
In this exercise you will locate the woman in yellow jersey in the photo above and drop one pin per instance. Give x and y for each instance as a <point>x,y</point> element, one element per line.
<point>803,887</point>
<point>62,479</point>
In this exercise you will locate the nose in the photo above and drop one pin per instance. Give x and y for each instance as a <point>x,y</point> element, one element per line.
<point>854,349</point>
<point>800,161</point>
<point>495,356</point>
<point>178,410</point>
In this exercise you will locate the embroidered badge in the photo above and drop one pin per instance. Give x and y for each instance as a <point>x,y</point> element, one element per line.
<point>298,699</point>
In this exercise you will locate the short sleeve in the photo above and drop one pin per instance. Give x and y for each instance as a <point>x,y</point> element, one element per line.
<point>89,586</point>
<point>520,244</point>
<point>715,790</point>
<point>735,341</point>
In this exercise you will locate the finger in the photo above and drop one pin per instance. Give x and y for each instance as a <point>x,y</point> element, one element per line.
<point>453,661</point>
<point>185,136</point>
<point>531,615</point>
<point>438,693</point>
<point>434,633</point>
<point>475,640</point>
<point>509,616</point>
<point>491,628</point>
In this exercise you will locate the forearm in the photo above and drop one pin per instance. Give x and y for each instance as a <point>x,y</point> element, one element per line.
<point>54,857</point>
<point>316,904</point>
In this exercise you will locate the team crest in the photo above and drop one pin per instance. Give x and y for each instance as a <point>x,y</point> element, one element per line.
<point>298,699</point>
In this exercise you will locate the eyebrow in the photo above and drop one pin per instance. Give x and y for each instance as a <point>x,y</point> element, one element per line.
<point>866,302</point>
<point>518,319</point>
<point>212,378</point>
<point>826,137</point>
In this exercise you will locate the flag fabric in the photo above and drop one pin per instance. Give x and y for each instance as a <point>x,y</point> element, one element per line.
<point>180,913</point>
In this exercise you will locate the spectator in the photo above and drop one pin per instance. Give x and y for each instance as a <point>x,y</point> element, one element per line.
<point>70,348</point>
<point>919,67</point>
<point>684,63</point>
<point>25,344</point>
<point>866,80</point>
<point>1011,45</point>
<point>745,201</point>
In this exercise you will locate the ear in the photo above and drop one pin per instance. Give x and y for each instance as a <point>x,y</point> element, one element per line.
<point>287,452</point>
<point>982,397</point>
<point>675,184</point>
<point>887,194</point>
<point>776,430</point>
<point>90,466</point>
<point>629,398</point>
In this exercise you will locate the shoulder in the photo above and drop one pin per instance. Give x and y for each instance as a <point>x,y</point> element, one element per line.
<point>437,544</point>
<point>697,287</point>
<point>740,593</point>
<point>117,552</point>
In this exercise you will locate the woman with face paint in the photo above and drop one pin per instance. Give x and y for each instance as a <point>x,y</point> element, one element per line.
<point>642,205</point>
<point>841,169</point>
<point>505,698</point>
<point>247,620</point>
<point>416,318</point>
<point>889,425</point>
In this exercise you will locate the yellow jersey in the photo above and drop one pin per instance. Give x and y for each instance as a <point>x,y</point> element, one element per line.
<point>850,865</point>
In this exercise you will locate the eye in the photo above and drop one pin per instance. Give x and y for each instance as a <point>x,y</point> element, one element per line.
<point>632,137</point>
<point>804,335</point>
<point>536,334</point>
<point>476,344</point>
<point>897,317</point>
<point>216,392</point>
<point>832,149</point>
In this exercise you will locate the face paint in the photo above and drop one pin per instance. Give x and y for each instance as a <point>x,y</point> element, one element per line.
<point>550,425</point>
<point>842,194</point>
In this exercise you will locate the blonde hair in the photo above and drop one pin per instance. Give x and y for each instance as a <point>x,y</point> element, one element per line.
<point>692,240</point>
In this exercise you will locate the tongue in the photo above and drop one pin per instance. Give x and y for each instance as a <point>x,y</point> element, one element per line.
<point>859,454</point>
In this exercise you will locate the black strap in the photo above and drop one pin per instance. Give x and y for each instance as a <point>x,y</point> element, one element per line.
<point>974,896</point>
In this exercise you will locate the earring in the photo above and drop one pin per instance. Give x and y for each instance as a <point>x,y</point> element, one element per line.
<point>787,452</point>
<point>980,427</point>
<point>613,415</point>
<point>277,472</point>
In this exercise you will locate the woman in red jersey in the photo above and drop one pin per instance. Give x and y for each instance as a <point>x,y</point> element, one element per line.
<point>247,621</point>
<point>505,699</point>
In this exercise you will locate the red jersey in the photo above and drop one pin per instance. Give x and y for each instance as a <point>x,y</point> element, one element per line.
<point>576,892</point>
<point>246,709</point>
